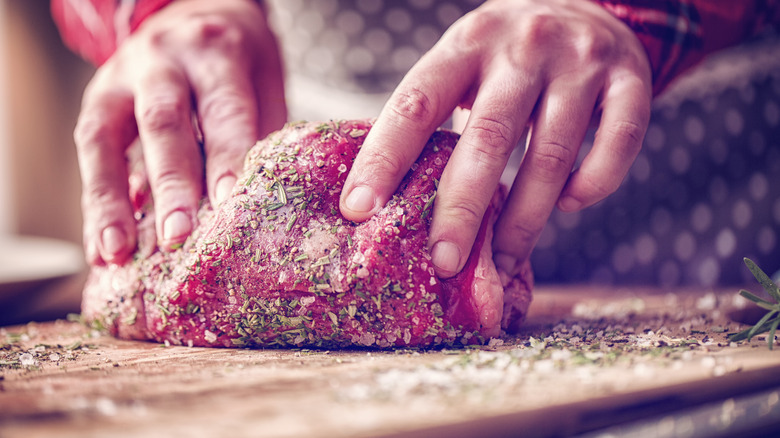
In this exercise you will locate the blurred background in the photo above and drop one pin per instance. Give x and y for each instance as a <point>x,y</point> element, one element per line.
<point>40,220</point>
<point>41,88</point>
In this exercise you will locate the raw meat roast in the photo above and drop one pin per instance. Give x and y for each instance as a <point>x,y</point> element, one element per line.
<point>277,265</point>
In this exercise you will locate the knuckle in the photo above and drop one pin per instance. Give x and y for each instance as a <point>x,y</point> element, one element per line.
<point>463,210</point>
<point>385,161</point>
<point>163,116</point>
<point>626,137</point>
<point>494,140</point>
<point>582,43</point>
<point>594,44</point>
<point>224,106</point>
<point>475,27</point>
<point>91,131</point>
<point>170,188</point>
<point>540,27</point>
<point>519,233</point>
<point>413,105</point>
<point>628,133</point>
<point>551,160</point>
<point>99,192</point>
<point>214,31</point>
<point>167,178</point>
<point>158,38</point>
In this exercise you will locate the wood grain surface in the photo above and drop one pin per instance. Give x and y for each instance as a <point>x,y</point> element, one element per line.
<point>588,358</point>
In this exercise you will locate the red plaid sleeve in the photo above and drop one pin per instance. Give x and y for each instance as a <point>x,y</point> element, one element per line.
<point>677,34</point>
<point>95,28</point>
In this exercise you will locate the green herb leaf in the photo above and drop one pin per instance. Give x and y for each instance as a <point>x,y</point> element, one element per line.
<point>428,205</point>
<point>756,299</point>
<point>761,322</point>
<point>766,282</point>
<point>766,323</point>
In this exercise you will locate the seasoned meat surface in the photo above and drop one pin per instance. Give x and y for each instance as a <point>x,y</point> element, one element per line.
<point>277,265</point>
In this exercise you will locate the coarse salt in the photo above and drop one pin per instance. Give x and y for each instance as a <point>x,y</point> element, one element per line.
<point>26,359</point>
<point>362,272</point>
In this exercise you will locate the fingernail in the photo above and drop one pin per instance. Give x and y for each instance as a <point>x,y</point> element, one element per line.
<point>505,262</point>
<point>569,204</point>
<point>360,199</point>
<point>446,256</point>
<point>224,188</point>
<point>114,240</point>
<point>176,226</point>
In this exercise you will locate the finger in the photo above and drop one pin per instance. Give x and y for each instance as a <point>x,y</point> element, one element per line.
<point>467,185</point>
<point>227,110</point>
<point>173,159</point>
<point>236,105</point>
<point>556,135</point>
<point>104,130</point>
<point>618,140</point>
<point>423,100</point>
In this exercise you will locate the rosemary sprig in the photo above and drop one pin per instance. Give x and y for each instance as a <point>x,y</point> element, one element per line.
<point>771,320</point>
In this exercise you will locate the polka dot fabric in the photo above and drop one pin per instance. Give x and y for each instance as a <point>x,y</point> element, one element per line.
<point>703,193</point>
<point>361,45</point>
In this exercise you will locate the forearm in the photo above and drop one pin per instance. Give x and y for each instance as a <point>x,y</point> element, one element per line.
<point>95,28</point>
<point>677,34</point>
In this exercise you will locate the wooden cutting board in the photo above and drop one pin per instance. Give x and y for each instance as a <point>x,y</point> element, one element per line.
<point>587,359</point>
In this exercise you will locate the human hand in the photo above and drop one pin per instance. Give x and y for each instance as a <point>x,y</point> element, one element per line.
<point>550,65</point>
<point>214,62</point>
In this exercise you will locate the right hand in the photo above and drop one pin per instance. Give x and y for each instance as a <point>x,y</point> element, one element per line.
<point>214,61</point>
<point>551,66</point>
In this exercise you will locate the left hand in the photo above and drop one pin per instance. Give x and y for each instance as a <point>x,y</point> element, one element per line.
<point>215,60</point>
<point>548,64</point>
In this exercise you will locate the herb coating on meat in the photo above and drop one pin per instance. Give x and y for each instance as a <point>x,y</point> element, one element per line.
<point>277,265</point>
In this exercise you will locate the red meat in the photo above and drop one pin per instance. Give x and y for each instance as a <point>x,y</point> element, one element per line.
<point>277,265</point>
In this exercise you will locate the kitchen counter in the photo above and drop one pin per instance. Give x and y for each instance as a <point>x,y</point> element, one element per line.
<point>589,358</point>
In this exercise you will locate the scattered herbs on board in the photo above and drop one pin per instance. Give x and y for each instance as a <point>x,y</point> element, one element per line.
<point>770,321</point>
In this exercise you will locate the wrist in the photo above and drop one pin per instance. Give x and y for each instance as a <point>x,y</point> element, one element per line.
<point>669,30</point>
